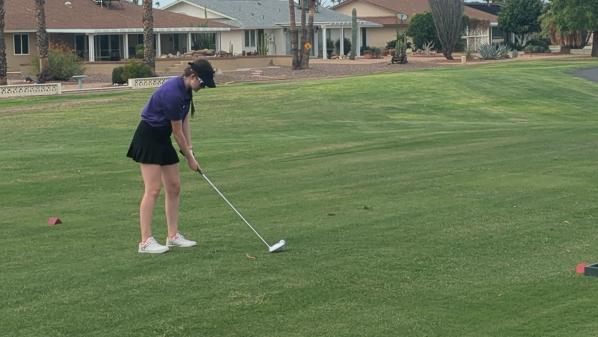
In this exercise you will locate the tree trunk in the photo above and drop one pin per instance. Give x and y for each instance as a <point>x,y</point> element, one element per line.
<point>3,61</point>
<point>293,32</point>
<point>42,40</point>
<point>149,53</point>
<point>303,4</point>
<point>595,44</point>
<point>310,34</point>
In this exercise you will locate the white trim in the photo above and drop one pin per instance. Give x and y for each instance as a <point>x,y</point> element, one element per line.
<point>343,24</point>
<point>12,31</point>
<point>198,6</point>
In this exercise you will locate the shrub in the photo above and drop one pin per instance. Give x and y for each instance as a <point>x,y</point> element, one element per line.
<point>531,48</point>
<point>133,69</point>
<point>491,52</point>
<point>542,41</point>
<point>63,64</point>
<point>347,46</point>
<point>502,51</point>
<point>117,75</point>
<point>139,50</point>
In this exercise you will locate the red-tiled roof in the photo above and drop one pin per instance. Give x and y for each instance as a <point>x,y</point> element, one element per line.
<point>412,7</point>
<point>85,14</point>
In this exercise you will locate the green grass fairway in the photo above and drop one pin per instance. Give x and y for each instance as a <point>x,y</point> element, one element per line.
<point>440,202</point>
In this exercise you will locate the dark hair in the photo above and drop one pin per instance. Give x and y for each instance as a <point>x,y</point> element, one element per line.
<point>188,72</point>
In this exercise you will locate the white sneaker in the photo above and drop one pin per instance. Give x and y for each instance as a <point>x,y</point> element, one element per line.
<point>180,241</point>
<point>152,246</point>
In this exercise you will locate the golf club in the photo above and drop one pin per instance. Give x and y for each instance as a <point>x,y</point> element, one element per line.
<point>271,249</point>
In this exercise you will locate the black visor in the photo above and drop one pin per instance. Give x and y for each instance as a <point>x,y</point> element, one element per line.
<point>203,69</point>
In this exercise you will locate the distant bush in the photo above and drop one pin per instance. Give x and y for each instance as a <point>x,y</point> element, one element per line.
<point>139,50</point>
<point>492,52</point>
<point>63,65</point>
<point>544,42</point>
<point>375,52</point>
<point>531,48</point>
<point>117,75</point>
<point>422,30</point>
<point>347,46</point>
<point>133,69</point>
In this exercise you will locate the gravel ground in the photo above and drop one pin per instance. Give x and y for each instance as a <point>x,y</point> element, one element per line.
<point>324,69</point>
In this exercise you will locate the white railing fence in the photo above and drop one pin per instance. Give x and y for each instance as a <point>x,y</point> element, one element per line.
<point>22,90</point>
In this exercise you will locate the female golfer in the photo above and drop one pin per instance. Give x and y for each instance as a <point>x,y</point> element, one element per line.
<point>166,113</point>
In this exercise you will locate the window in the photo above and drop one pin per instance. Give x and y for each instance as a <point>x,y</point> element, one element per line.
<point>250,38</point>
<point>21,42</point>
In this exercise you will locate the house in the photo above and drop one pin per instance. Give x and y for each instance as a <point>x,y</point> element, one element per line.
<point>100,31</point>
<point>262,26</point>
<point>395,15</point>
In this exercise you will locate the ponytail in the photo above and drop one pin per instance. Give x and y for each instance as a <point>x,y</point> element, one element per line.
<point>188,72</point>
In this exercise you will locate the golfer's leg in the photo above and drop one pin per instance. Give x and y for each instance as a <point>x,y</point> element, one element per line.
<point>172,187</point>
<point>151,179</point>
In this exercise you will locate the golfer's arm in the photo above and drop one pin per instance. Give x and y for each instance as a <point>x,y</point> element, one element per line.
<point>179,137</point>
<point>187,131</point>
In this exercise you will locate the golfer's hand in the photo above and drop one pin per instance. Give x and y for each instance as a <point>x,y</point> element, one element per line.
<point>193,164</point>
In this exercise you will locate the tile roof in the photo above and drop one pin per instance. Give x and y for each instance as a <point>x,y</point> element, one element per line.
<point>493,9</point>
<point>86,15</point>
<point>255,14</point>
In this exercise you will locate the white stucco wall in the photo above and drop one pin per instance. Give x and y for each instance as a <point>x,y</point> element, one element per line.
<point>364,9</point>
<point>235,37</point>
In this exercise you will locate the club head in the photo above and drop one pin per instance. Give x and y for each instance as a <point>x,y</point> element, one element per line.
<point>277,247</point>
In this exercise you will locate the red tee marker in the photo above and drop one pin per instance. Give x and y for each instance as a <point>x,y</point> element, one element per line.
<point>54,221</point>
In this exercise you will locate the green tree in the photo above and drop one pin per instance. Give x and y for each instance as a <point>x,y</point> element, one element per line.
<point>422,30</point>
<point>573,16</point>
<point>521,17</point>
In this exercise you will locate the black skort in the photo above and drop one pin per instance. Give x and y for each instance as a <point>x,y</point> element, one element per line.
<point>152,145</point>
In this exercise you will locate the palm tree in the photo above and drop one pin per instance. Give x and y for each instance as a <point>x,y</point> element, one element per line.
<point>149,55</point>
<point>42,40</point>
<point>3,64</point>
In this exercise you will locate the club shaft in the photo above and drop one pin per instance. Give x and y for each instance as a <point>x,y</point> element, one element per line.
<point>234,209</point>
